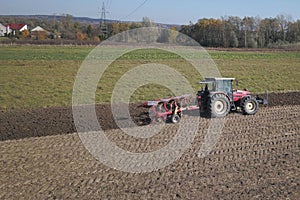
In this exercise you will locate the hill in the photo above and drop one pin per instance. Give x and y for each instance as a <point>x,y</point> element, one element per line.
<point>84,20</point>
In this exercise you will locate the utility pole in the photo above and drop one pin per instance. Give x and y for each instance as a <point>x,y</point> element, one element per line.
<point>103,26</point>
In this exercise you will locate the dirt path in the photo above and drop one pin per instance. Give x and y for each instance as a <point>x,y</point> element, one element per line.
<point>257,157</point>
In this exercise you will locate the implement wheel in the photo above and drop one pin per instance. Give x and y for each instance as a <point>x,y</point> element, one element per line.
<point>175,119</point>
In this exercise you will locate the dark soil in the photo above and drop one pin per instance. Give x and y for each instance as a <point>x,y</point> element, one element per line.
<point>18,124</point>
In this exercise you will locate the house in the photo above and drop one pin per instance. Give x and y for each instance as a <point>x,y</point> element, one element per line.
<point>38,29</point>
<point>2,30</point>
<point>39,33</point>
<point>14,28</point>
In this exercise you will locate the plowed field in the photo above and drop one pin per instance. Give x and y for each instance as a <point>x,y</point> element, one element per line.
<point>256,157</point>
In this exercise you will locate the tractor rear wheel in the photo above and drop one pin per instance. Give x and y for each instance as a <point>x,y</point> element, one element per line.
<point>219,106</point>
<point>249,106</point>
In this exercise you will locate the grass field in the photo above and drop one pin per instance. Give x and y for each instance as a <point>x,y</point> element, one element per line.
<point>43,76</point>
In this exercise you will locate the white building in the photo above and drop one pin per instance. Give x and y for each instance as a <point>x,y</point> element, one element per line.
<point>13,28</point>
<point>38,29</point>
<point>3,30</point>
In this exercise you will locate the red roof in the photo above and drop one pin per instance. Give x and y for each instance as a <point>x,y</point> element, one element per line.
<point>15,26</point>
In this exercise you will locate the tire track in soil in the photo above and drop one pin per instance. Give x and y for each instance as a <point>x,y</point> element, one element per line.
<point>259,159</point>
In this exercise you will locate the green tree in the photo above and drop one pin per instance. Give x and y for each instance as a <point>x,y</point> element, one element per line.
<point>293,33</point>
<point>135,25</point>
<point>233,40</point>
<point>89,31</point>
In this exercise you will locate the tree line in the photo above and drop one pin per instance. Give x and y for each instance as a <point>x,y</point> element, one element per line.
<point>65,28</point>
<point>232,31</point>
<point>247,32</point>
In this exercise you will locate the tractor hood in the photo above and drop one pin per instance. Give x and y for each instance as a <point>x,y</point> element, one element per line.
<point>241,92</point>
<point>238,94</point>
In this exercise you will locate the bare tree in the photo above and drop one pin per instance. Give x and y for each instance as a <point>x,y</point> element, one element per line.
<point>284,21</point>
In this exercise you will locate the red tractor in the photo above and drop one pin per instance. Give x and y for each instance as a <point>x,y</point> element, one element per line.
<point>216,99</point>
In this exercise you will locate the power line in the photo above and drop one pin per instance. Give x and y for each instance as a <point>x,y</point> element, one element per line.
<point>108,4</point>
<point>145,1</point>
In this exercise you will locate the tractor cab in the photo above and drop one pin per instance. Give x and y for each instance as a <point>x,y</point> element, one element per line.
<point>213,85</point>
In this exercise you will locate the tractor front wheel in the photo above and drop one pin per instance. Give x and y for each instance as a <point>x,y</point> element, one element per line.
<point>219,106</point>
<point>249,106</point>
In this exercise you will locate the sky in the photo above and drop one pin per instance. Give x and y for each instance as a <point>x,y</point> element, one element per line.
<point>161,11</point>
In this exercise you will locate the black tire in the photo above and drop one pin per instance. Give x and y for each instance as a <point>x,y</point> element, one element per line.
<point>204,106</point>
<point>249,105</point>
<point>219,106</point>
<point>175,119</point>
